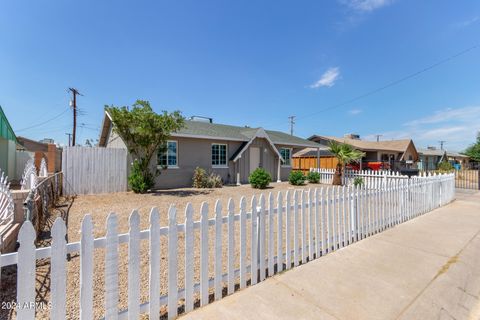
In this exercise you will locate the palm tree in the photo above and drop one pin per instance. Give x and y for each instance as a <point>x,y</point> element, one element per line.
<point>345,154</point>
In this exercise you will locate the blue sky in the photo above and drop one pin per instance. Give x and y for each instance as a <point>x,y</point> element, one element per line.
<point>246,63</point>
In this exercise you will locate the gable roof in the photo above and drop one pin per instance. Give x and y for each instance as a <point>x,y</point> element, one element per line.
<point>259,134</point>
<point>215,131</point>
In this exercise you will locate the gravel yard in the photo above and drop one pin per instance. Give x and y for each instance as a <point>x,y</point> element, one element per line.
<point>99,206</point>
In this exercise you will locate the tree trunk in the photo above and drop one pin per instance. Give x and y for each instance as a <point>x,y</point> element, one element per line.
<point>337,177</point>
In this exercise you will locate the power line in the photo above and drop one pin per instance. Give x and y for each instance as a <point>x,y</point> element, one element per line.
<point>395,82</point>
<point>44,122</point>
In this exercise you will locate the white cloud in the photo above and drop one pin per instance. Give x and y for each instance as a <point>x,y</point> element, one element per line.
<point>366,5</point>
<point>457,126</point>
<point>328,78</point>
<point>354,112</point>
<point>468,22</point>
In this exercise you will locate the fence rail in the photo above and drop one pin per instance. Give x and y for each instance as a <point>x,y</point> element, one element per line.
<point>296,228</point>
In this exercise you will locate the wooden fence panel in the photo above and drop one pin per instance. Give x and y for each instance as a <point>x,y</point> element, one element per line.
<point>93,170</point>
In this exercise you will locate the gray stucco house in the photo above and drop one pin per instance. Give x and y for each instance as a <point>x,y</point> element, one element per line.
<point>232,152</point>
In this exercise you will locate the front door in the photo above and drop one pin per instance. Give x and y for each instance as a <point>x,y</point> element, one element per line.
<point>254,158</point>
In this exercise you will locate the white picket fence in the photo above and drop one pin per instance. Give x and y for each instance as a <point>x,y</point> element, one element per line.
<point>282,235</point>
<point>370,178</point>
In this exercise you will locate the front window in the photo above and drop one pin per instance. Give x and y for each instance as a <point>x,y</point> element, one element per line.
<point>219,155</point>
<point>286,154</point>
<point>168,158</point>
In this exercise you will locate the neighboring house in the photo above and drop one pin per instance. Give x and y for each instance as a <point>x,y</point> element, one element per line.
<point>49,151</point>
<point>8,145</point>
<point>399,154</point>
<point>232,152</point>
<point>459,159</point>
<point>431,157</point>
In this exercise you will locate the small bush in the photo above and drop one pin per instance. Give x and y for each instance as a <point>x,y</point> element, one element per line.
<point>260,179</point>
<point>445,166</point>
<point>214,181</point>
<point>296,178</point>
<point>199,178</point>
<point>139,181</point>
<point>313,177</point>
<point>358,182</point>
<point>202,180</point>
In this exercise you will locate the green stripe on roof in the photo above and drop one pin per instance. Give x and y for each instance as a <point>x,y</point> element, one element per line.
<point>6,130</point>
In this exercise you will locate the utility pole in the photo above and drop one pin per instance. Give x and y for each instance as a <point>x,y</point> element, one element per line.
<point>69,139</point>
<point>378,137</point>
<point>442,142</point>
<point>292,122</point>
<point>74,107</point>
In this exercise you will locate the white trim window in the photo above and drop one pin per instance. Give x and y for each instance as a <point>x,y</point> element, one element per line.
<point>286,154</point>
<point>219,155</point>
<point>168,158</point>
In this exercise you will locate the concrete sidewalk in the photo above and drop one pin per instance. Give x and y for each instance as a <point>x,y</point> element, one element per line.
<point>427,268</point>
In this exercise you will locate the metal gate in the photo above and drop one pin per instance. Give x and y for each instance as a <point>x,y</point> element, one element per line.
<point>467,179</point>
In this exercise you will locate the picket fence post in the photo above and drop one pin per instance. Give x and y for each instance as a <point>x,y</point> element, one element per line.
<point>172,263</point>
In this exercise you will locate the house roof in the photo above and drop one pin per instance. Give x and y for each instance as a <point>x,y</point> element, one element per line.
<point>441,153</point>
<point>365,145</point>
<point>431,152</point>
<point>206,130</point>
<point>6,130</point>
<point>32,145</point>
<point>456,155</point>
<point>312,152</point>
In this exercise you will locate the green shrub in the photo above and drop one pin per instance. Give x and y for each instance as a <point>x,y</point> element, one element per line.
<point>202,180</point>
<point>445,166</point>
<point>199,178</point>
<point>313,177</point>
<point>259,179</point>
<point>139,181</point>
<point>358,181</point>
<point>296,178</point>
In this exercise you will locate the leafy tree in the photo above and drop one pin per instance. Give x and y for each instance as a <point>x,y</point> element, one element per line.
<point>345,154</point>
<point>473,151</point>
<point>445,166</point>
<point>144,133</point>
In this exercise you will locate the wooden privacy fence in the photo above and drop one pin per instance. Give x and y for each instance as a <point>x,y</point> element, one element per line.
<point>88,170</point>
<point>283,234</point>
<point>467,179</point>
<point>305,163</point>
